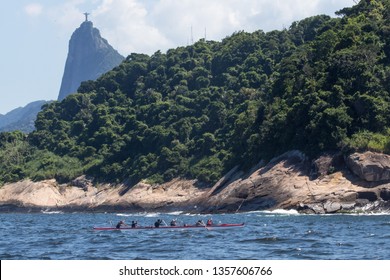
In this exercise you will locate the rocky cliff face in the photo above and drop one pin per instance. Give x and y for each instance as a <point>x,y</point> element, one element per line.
<point>89,57</point>
<point>286,182</point>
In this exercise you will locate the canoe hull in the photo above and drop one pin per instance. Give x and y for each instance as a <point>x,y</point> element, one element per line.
<point>213,227</point>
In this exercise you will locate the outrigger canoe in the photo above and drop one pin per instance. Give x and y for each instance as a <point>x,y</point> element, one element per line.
<point>212,227</point>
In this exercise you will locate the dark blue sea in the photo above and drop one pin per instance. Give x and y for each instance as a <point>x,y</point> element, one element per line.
<point>279,235</point>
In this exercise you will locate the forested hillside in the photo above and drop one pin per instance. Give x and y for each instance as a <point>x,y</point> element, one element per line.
<point>197,111</point>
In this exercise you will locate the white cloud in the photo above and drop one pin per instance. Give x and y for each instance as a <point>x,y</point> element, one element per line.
<point>33,9</point>
<point>68,15</point>
<point>126,24</point>
<point>146,26</point>
<point>149,25</point>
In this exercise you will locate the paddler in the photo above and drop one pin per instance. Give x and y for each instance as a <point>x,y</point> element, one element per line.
<point>121,224</point>
<point>200,223</point>
<point>158,223</point>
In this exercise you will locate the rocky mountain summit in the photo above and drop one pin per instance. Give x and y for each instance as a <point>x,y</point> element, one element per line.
<point>329,184</point>
<point>89,57</point>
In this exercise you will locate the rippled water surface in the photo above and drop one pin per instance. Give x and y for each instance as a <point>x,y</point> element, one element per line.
<point>267,235</point>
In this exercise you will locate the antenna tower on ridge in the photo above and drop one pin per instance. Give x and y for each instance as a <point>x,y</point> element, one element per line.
<point>192,36</point>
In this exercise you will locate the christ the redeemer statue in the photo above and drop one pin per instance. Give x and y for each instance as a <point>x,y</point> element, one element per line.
<point>86,16</point>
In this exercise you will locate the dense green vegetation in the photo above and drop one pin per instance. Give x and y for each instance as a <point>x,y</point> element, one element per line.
<point>197,111</point>
<point>21,160</point>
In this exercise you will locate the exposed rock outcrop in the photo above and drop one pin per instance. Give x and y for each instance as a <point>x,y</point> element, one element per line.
<point>369,166</point>
<point>89,57</point>
<point>283,183</point>
<point>327,164</point>
<point>81,195</point>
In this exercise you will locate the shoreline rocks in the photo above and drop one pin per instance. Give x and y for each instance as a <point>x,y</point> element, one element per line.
<point>369,166</point>
<point>286,182</point>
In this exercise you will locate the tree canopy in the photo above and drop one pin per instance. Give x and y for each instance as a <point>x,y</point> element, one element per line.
<point>197,111</point>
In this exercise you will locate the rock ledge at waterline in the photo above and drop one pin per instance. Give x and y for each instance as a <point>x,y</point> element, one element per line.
<point>330,184</point>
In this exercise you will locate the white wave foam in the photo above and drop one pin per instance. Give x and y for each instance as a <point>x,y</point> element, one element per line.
<point>51,212</point>
<point>124,215</point>
<point>191,214</point>
<point>282,212</point>
<point>175,213</point>
<point>384,213</point>
<point>152,215</point>
<point>143,214</point>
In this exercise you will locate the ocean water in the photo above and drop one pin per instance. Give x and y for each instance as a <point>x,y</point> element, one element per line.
<point>278,235</point>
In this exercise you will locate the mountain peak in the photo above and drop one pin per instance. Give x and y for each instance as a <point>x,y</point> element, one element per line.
<point>87,24</point>
<point>89,57</point>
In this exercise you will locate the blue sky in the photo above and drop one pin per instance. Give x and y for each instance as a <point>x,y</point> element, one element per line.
<point>35,33</point>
